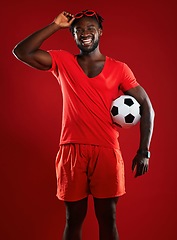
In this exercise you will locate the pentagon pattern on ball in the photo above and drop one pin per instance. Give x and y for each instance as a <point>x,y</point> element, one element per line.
<point>125,111</point>
<point>114,110</point>
<point>129,118</point>
<point>128,101</point>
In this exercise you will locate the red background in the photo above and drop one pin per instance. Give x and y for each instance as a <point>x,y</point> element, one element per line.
<point>140,33</point>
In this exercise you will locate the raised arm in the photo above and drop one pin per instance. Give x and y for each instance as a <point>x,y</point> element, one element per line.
<point>141,162</point>
<point>28,50</point>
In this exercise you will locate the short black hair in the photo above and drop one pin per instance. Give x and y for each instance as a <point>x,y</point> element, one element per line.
<point>97,17</point>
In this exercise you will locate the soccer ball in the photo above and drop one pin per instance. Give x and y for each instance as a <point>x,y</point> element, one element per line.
<point>125,111</point>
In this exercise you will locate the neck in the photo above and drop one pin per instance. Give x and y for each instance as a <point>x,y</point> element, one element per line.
<point>96,54</point>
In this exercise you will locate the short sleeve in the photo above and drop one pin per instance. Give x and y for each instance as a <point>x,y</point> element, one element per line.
<point>128,79</point>
<point>54,68</point>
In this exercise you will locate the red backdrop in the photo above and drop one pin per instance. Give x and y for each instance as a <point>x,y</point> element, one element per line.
<point>140,33</point>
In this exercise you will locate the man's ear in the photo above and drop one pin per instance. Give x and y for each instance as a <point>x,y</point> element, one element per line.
<point>100,32</point>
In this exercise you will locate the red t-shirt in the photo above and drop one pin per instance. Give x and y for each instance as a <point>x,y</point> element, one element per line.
<point>86,115</point>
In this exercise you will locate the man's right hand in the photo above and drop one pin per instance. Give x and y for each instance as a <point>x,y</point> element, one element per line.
<point>29,50</point>
<point>64,19</point>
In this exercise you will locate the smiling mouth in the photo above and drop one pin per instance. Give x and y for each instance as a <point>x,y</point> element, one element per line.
<point>86,41</point>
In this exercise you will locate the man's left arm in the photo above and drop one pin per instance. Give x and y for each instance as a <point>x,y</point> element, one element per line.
<point>141,161</point>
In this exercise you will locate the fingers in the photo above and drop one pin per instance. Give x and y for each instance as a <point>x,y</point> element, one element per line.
<point>64,19</point>
<point>133,165</point>
<point>140,166</point>
<point>68,15</point>
<point>141,169</point>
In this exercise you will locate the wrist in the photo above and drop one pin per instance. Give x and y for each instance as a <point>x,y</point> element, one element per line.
<point>144,152</point>
<point>56,24</point>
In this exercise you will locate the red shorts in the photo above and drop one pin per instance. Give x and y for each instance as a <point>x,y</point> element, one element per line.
<point>89,169</point>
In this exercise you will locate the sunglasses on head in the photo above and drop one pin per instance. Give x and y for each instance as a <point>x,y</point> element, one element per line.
<point>88,13</point>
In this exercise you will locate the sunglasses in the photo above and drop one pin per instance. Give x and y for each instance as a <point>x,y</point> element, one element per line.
<point>88,13</point>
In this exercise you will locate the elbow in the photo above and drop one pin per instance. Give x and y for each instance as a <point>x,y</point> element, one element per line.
<point>17,53</point>
<point>152,113</point>
<point>147,110</point>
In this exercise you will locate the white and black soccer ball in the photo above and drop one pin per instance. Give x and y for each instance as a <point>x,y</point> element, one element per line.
<point>125,111</point>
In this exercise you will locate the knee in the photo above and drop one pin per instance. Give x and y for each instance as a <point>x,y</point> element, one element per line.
<point>74,220</point>
<point>106,218</point>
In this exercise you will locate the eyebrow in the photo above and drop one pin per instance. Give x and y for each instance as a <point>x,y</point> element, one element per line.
<point>91,25</point>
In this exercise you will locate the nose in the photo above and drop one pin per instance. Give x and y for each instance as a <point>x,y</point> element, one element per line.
<point>85,32</point>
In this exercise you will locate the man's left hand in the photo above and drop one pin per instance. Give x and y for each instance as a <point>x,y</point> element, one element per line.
<point>140,165</point>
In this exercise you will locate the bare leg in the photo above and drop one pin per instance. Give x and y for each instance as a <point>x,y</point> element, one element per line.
<point>105,210</point>
<point>75,215</point>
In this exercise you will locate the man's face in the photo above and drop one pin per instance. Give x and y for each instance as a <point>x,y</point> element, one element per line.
<point>87,33</point>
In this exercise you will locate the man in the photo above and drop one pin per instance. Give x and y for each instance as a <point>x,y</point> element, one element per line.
<point>89,160</point>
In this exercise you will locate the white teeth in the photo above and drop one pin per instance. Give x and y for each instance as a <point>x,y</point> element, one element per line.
<point>86,41</point>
